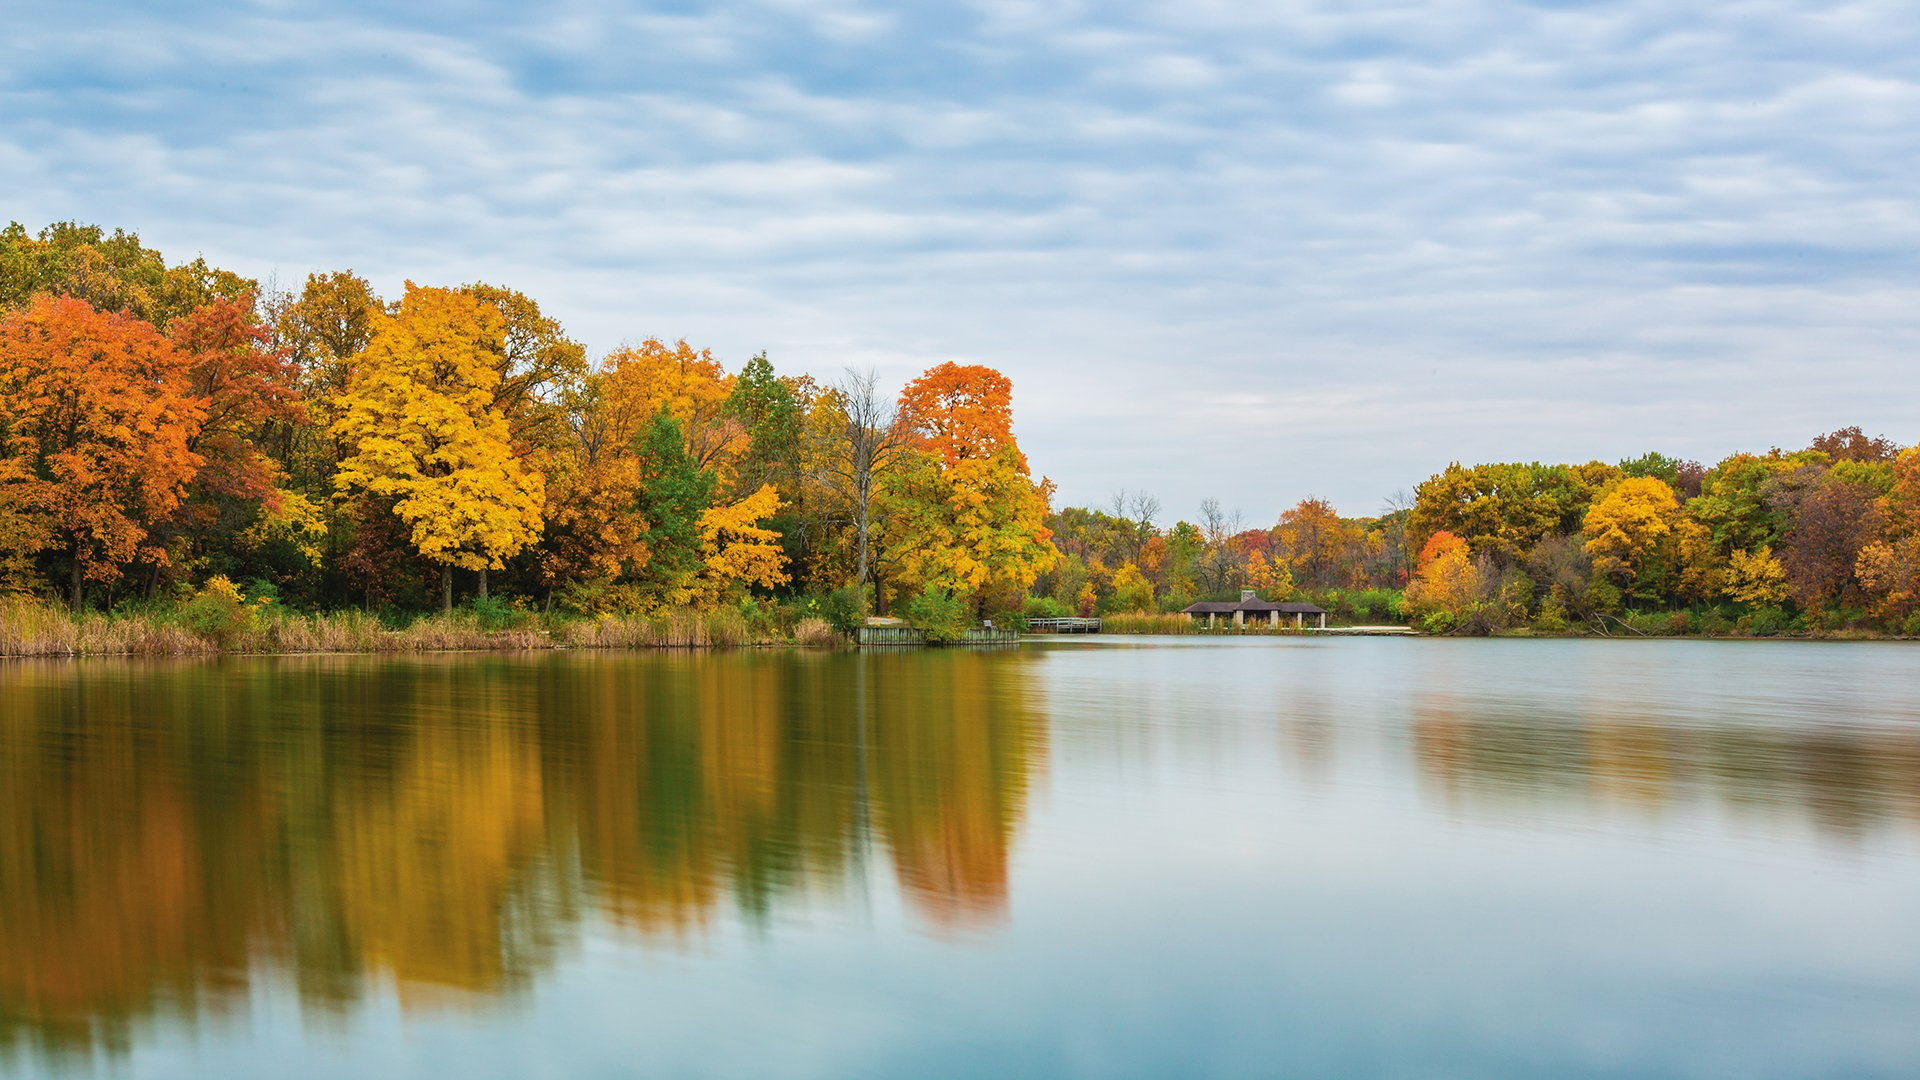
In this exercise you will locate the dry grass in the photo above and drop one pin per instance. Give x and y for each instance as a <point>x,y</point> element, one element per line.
<point>679,629</point>
<point>1142,623</point>
<point>31,628</point>
<point>28,628</point>
<point>816,634</point>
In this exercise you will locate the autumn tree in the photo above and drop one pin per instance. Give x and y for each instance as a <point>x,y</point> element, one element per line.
<point>1633,535</point>
<point>97,417</point>
<point>964,514</point>
<point>420,417</point>
<point>538,363</point>
<point>972,529</point>
<point>1505,509</point>
<point>1131,590</point>
<point>112,272</point>
<point>737,550</point>
<point>959,411</point>
<point>1852,444</point>
<point>1448,583</point>
<point>595,531</point>
<point>1831,518</point>
<point>249,391</point>
<point>1316,544</point>
<point>689,384</point>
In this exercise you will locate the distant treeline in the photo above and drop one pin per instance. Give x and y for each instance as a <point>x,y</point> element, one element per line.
<point>1821,539</point>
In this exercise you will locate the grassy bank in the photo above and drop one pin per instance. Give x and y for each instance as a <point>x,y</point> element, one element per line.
<point>29,628</point>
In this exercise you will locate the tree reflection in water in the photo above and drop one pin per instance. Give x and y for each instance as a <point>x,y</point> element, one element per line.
<point>447,823</point>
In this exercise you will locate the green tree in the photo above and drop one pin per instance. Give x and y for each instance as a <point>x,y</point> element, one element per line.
<point>673,493</point>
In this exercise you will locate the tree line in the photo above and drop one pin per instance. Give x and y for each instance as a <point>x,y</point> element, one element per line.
<point>1825,538</point>
<point>166,430</point>
<point>176,431</point>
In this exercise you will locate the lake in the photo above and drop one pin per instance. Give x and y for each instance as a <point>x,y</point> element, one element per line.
<point>1242,857</point>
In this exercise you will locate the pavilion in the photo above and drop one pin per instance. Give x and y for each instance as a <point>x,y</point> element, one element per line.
<point>1251,607</point>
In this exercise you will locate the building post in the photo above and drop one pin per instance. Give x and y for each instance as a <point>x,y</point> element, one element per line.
<point>1239,618</point>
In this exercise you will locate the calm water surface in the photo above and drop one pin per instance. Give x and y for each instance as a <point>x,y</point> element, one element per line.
<point>1250,857</point>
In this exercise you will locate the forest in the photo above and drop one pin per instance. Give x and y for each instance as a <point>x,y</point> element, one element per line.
<point>188,459</point>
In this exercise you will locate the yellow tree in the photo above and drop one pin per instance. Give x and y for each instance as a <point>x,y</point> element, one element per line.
<point>1131,590</point>
<point>1634,533</point>
<point>736,550</point>
<point>419,414</point>
<point>975,527</point>
<point>690,385</point>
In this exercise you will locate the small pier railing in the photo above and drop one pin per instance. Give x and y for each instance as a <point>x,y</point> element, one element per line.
<point>1064,626</point>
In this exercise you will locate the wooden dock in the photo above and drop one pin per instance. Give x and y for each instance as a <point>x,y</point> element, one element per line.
<point>908,637</point>
<point>1063,626</point>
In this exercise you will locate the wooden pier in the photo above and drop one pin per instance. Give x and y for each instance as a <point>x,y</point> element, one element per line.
<point>1064,626</point>
<point>908,637</point>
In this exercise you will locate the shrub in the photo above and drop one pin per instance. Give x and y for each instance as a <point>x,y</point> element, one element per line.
<point>1765,621</point>
<point>1045,607</point>
<point>844,608</point>
<point>217,610</point>
<point>937,614</point>
<point>498,613</point>
<point>1552,618</point>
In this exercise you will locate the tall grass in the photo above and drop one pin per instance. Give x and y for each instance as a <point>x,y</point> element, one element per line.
<point>678,629</point>
<point>31,628</point>
<point>1136,622</point>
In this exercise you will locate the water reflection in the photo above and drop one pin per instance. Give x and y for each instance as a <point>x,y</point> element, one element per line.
<point>1842,779</point>
<point>444,824</point>
<point>451,830</point>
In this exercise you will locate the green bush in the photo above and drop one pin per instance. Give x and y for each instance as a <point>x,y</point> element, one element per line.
<point>937,614</point>
<point>844,609</point>
<point>217,610</point>
<point>1045,607</point>
<point>1765,621</point>
<point>1437,622</point>
<point>1552,617</point>
<point>496,612</point>
<point>760,619</point>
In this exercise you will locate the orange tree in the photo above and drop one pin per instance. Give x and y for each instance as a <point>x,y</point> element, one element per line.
<point>96,421</point>
<point>961,512</point>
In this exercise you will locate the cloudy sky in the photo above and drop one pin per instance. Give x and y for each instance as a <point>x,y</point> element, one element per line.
<point>1253,250</point>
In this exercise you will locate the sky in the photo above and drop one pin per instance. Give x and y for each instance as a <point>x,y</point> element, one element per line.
<point>1255,251</point>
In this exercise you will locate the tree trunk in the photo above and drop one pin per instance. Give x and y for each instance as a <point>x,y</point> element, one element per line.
<point>483,583</point>
<point>860,523</point>
<point>446,586</point>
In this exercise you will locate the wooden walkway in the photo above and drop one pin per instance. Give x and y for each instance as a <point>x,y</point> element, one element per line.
<point>907,636</point>
<point>1064,626</point>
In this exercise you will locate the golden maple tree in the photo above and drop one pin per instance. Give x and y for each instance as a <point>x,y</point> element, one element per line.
<point>419,414</point>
